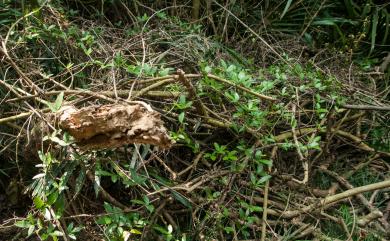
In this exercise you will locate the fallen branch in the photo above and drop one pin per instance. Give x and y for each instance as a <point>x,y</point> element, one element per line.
<point>366,107</point>
<point>336,198</point>
<point>121,93</point>
<point>15,117</point>
<point>347,185</point>
<point>363,221</point>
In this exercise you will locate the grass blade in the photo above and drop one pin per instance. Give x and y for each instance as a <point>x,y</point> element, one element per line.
<point>387,24</point>
<point>286,8</point>
<point>373,29</point>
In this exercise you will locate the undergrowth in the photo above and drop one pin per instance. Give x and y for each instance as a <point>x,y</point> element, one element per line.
<point>275,136</point>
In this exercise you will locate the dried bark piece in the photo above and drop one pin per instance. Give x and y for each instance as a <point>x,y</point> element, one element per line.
<point>114,125</point>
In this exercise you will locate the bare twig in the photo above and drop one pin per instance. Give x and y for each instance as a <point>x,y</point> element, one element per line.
<point>265,203</point>
<point>121,93</point>
<point>264,97</point>
<point>366,107</point>
<point>105,195</point>
<point>173,174</point>
<point>193,165</point>
<point>364,221</point>
<point>304,161</point>
<point>192,93</point>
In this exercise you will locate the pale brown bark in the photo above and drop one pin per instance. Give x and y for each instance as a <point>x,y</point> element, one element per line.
<point>114,125</point>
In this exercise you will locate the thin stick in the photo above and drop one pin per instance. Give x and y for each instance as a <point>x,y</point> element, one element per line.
<point>193,165</point>
<point>304,161</point>
<point>153,86</point>
<point>192,93</point>
<point>265,97</point>
<point>121,93</point>
<point>15,117</point>
<point>265,203</point>
<point>104,194</point>
<point>366,107</point>
<point>173,174</point>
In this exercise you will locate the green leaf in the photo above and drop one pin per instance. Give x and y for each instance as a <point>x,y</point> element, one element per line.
<point>54,107</point>
<point>170,228</point>
<point>181,199</point>
<point>229,230</point>
<point>242,76</point>
<point>255,208</point>
<point>266,162</point>
<point>57,233</point>
<point>22,224</point>
<point>264,179</point>
<point>77,229</point>
<point>70,227</point>
<point>60,205</point>
<point>38,202</point>
<point>146,200</point>
<point>52,198</point>
<point>150,208</point>
<point>38,176</point>
<point>104,220</point>
<point>161,230</point>
<point>114,178</point>
<point>59,100</point>
<point>58,141</point>
<point>88,51</point>
<point>326,22</point>
<point>47,214</point>
<point>138,179</point>
<point>135,231</point>
<point>207,69</point>
<point>164,72</point>
<point>44,236</point>
<point>69,65</point>
<point>108,207</point>
<point>351,10</point>
<point>136,201</point>
<point>163,16</point>
<point>96,183</point>
<point>386,16</point>
<point>286,8</point>
<point>181,117</point>
<point>79,182</point>
<point>30,230</point>
<point>253,178</point>
<point>374,29</point>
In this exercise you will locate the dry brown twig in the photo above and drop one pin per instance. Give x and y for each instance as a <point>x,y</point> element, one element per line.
<point>193,165</point>
<point>192,93</point>
<point>303,159</point>
<point>265,203</point>
<point>193,184</point>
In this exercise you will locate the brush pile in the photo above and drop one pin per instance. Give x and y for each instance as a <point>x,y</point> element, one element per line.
<point>154,131</point>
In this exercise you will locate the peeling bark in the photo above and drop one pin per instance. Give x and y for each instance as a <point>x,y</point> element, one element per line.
<point>109,126</point>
